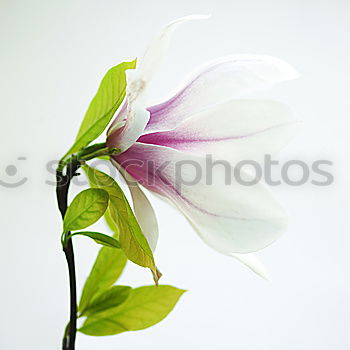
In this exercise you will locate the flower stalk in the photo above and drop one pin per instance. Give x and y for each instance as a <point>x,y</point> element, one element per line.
<point>72,164</point>
<point>63,183</point>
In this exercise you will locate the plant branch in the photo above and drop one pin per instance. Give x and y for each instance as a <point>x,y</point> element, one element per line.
<point>63,183</point>
<point>72,164</point>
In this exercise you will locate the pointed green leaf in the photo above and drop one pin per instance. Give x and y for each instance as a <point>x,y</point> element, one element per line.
<point>99,238</point>
<point>86,208</point>
<point>107,100</point>
<point>144,307</point>
<point>131,238</point>
<point>108,299</point>
<point>110,223</point>
<point>108,267</point>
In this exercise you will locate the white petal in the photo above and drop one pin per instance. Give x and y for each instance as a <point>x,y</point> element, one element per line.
<point>236,130</point>
<point>252,262</point>
<point>224,79</point>
<point>137,116</point>
<point>144,212</point>
<point>231,218</point>
<point>155,52</point>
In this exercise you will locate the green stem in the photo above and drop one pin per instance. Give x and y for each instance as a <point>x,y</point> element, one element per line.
<point>88,153</point>
<point>72,164</point>
<point>91,149</point>
<point>63,183</point>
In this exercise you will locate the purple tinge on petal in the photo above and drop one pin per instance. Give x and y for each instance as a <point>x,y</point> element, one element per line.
<point>161,114</point>
<point>167,115</point>
<point>230,219</point>
<point>155,168</point>
<point>170,113</point>
<point>190,140</point>
<point>152,173</point>
<point>138,163</point>
<point>247,127</point>
<point>218,81</point>
<point>149,169</point>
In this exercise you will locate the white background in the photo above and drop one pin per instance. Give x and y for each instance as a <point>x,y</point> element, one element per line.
<point>53,55</point>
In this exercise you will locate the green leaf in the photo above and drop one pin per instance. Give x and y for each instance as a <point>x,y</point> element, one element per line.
<point>99,238</point>
<point>108,299</point>
<point>107,100</point>
<point>108,267</point>
<point>131,238</point>
<point>145,307</point>
<point>86,208</point>
<point>110,223</point>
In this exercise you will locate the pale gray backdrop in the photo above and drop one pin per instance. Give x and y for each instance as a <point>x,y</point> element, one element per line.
<point>53,55</point>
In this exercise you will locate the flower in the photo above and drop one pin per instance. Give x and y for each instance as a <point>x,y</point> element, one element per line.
<point>207,116</point>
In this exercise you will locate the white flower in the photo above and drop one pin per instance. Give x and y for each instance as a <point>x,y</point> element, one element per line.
<point>207,116</point>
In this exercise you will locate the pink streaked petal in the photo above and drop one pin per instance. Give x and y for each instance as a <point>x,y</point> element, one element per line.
<point>231,218</point>
<point>218,81</point>
<point>233,131</point>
